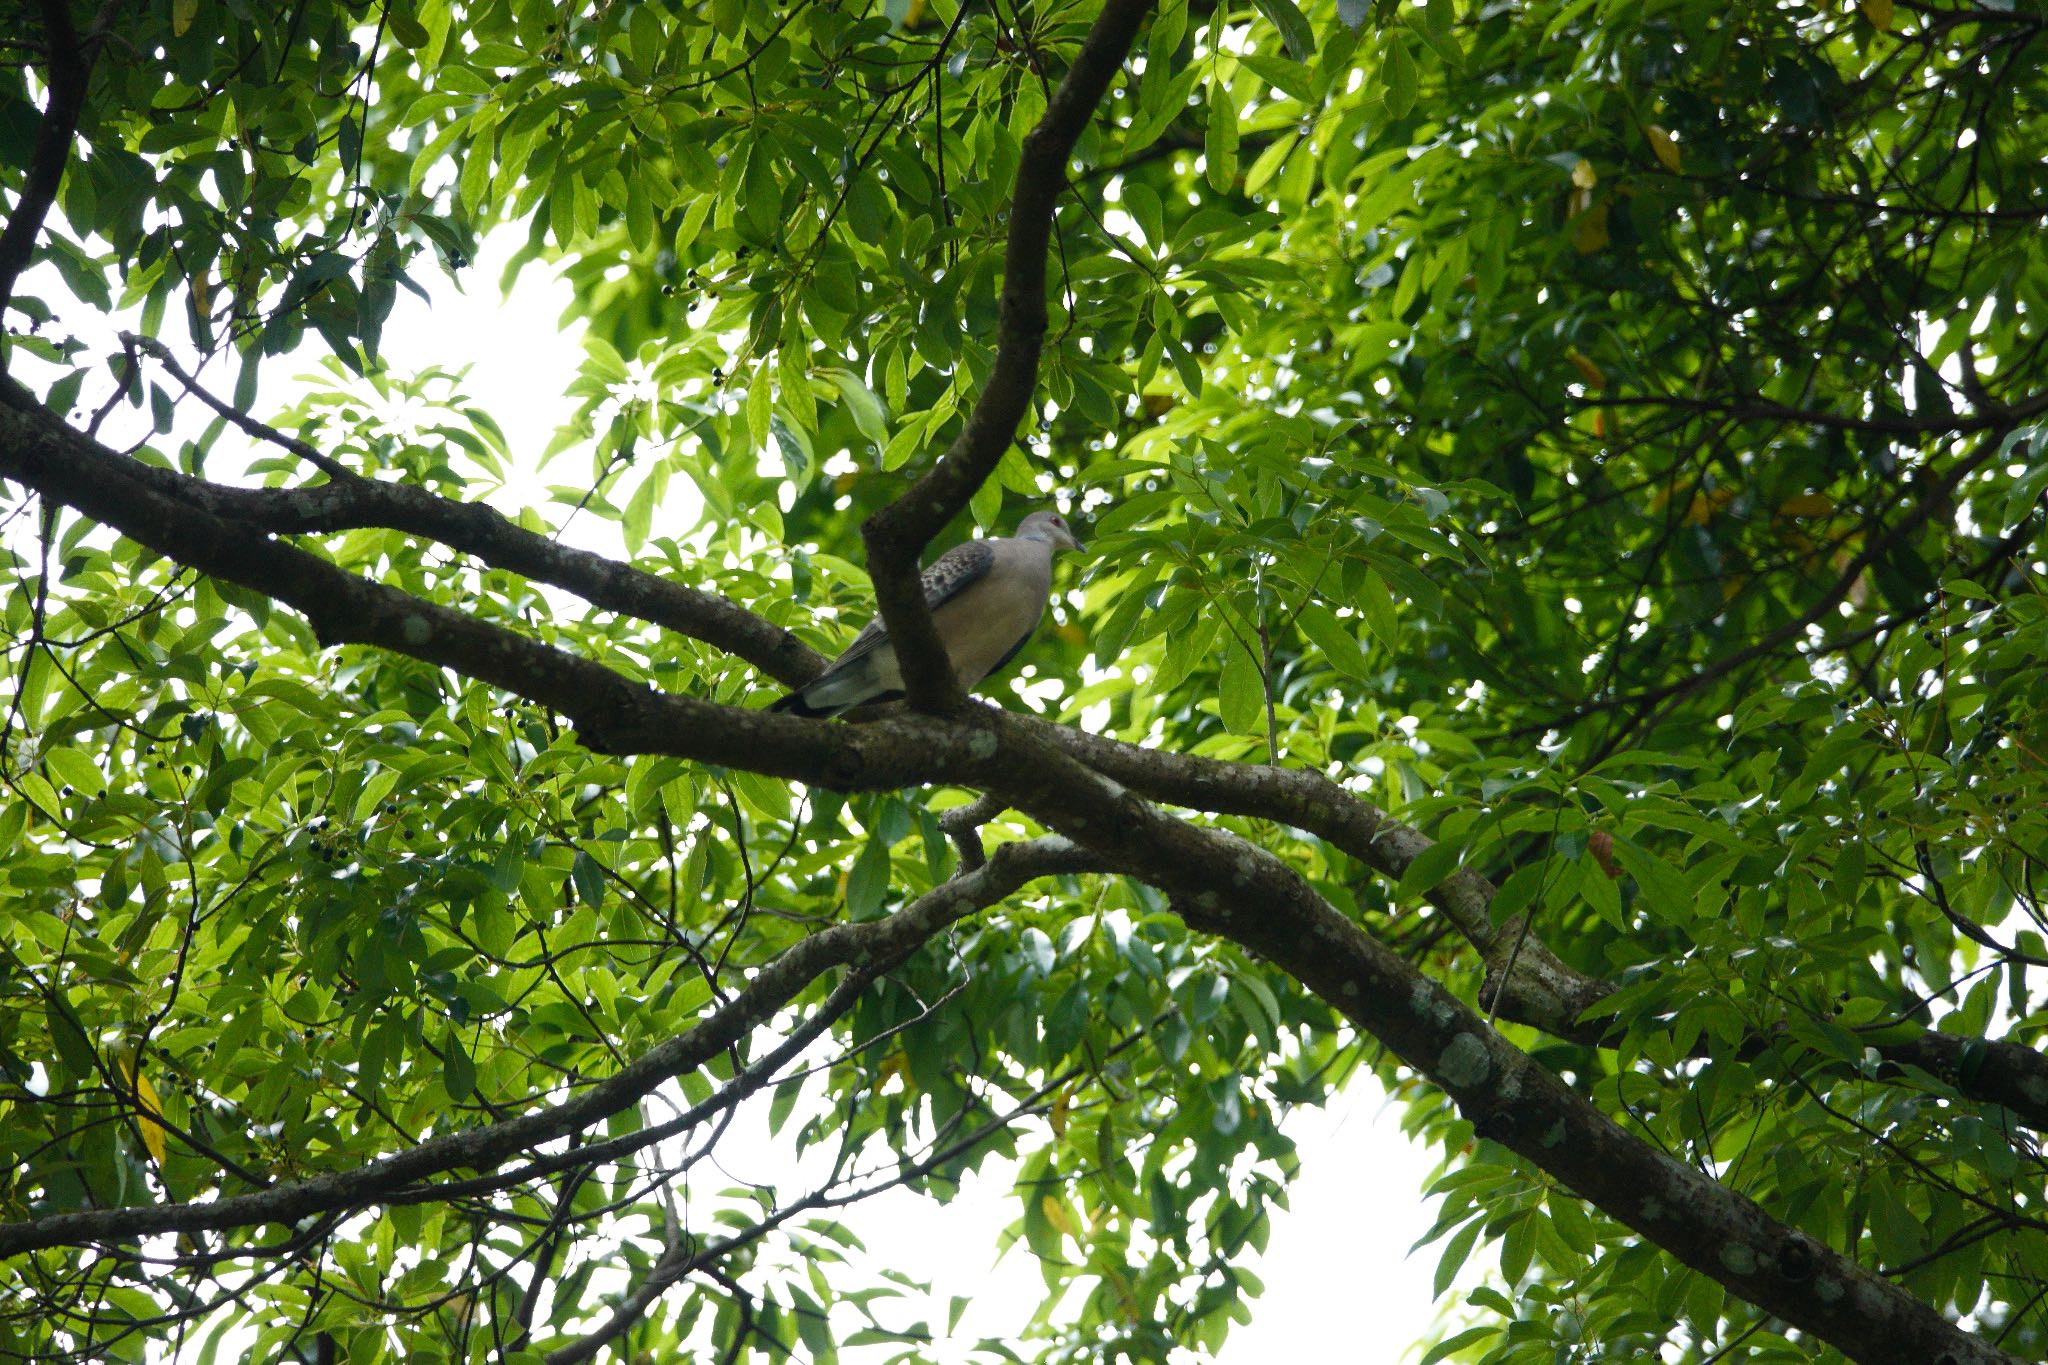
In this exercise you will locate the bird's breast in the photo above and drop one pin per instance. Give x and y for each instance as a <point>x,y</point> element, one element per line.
<point>982,626</point>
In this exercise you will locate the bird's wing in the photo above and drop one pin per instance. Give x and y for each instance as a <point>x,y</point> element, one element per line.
<point>951,574</point>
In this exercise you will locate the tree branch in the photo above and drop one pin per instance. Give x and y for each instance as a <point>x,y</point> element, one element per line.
<point>897,535</point>
<point>1542,991</point>
<point>221,531</point>
<point>242,421</point>
<point>676,1263</point>
<point>1220,884</point>
<point>350,501</point>
<point>482,1149</point>
<point>70,72</point>
<point>1740,408</point>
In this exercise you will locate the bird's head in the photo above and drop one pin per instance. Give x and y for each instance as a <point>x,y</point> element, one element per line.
<point>1050,527</point>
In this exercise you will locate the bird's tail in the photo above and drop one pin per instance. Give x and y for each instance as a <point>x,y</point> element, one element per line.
<point>840,688</point>
<point>795,705</point>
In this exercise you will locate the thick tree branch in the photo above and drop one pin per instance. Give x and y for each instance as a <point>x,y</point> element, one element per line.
<point>209,527</point>
<point>349,502</point>
<point>1223,885</point>
<point>1215,879</point>
<point>897,535</point>
<point>482,1149</point>
<point>70,72</point>
<point>1543,991</point>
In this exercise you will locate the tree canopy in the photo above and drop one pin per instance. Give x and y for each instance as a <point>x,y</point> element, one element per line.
<point>1562,629</point>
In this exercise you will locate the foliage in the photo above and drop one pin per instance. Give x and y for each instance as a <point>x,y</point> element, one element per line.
<point>1603,436</point>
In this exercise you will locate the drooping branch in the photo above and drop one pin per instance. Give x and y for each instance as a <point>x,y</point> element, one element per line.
<point>863,945</point>
<point>681,1261</point>
<point>1994,417</point>
<point>898,534</point>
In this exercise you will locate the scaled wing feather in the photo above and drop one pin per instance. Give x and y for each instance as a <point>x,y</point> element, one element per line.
<point>951,574</point>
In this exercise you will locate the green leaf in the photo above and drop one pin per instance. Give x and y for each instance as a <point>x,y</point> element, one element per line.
<point>1518,892</point>
<point>373,793</point>
<point>458,1071</point>
<point>760,409</point>
<point>588,876</point>
<point>1377,605</point>
<point>1453,1259</point>
<point>862,405</point>
<point>987,503</point>
<point>1665,894</point>
<point>404,26</point>
<point>1242,693</point>
<point>867,882</point>
<point>1293,26</point>
<point>1219,145</point>
<point>1568,1218</point>
<point>1398,81</point>
<point>75,770</point>
<point>1338,644</point>
<point>1429,867</point>
<point>638,518</point>
<point>1458,1341</point>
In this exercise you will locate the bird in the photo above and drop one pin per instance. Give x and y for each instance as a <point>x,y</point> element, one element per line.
<point>986,598</point>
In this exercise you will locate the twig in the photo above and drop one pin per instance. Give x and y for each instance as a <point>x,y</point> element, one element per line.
<point>262,431</point>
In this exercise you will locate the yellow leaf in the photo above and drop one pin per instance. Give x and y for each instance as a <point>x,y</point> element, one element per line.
<point>151,1109</point>
<point>1665,147</point>
<point>1589,230</point>
<point>1879,13</point>
<point>183,12</point>
<point>1056,1214</point>
<point>1807,505</point>
<point>1584,176</point>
